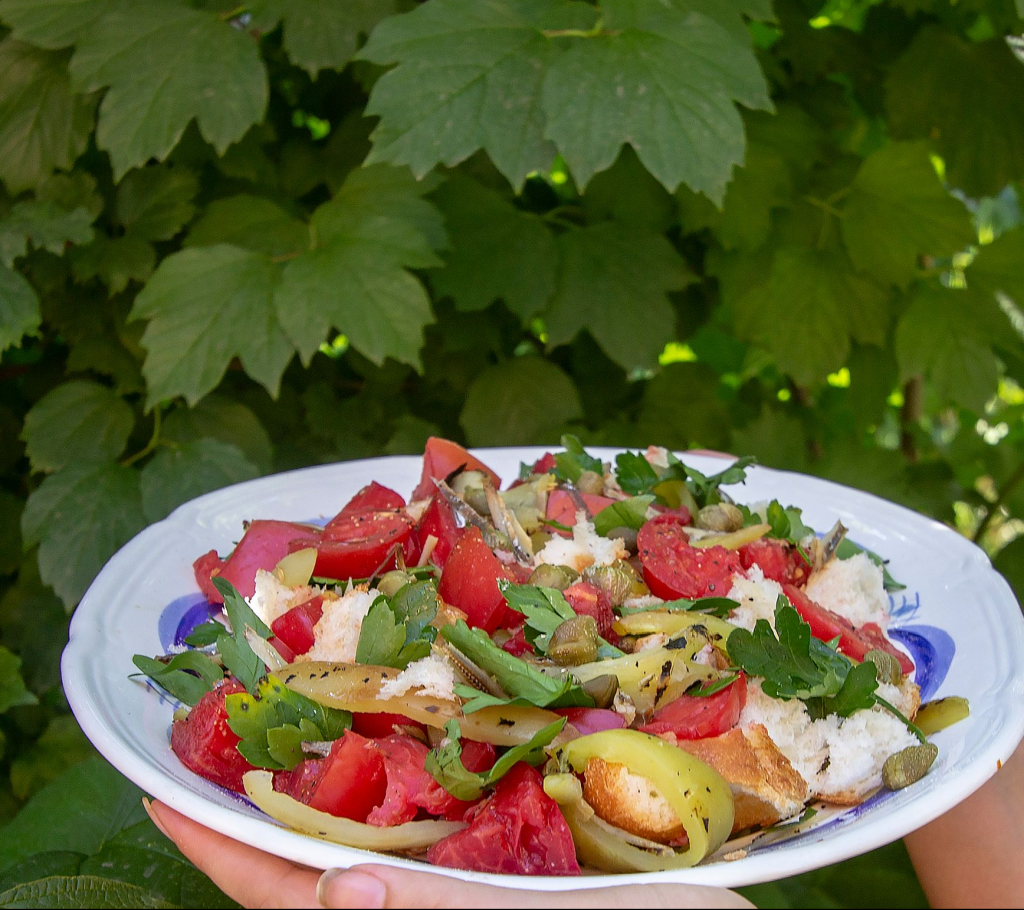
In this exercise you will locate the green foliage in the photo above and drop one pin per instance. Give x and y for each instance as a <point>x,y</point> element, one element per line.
<point>629,221</point>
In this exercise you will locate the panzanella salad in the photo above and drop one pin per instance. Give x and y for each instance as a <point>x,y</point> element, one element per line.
<point>610,665</point>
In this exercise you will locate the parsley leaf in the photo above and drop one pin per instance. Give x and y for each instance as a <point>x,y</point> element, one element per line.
<point>627,513</point>
<point>445,762</point>
<point>515,676</point>
<point>274,725</point>
<point>571,463</point>
<point>187,676</point>
<point>713,606</point>
<point>397,632</point>
<point>234,650</point>
<point>786,523</point>
<point>635,473</point>
<point>637,476</point>
<point>848,548</point>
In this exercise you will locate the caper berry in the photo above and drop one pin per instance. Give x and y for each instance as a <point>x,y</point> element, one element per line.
<point>721,516</point>
<point>889,670</point>
<point>574,642</point>
<point>908,766</point>
<point>549,576</point>
<point>602,689</point>
<point>619,581</point>
<point>590,482</point>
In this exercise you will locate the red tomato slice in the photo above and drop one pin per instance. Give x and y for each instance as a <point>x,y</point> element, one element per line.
<point>300,781</point>
<point>562,509</point>
<point>518,831</point>
<point>592,720</point>
<point>778,560</point>
<point>672,568</point>
<point>439,521</point>
<point>295,628</point>
<point>206,744</point>
<point>853,642</point>
<point>589,600</point>
<point>263,546</point>
<point>357,544</point>
<point>694,717</point>
<point>376,726</point>
<point>373,498</point>
<point>352,781</point>
<point>440,458</point>
<point>545,464</point>
<point>517,645</point>
<point>469,581</point>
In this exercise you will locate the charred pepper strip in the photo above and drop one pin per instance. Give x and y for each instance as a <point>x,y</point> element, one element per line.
<point>696,792</point>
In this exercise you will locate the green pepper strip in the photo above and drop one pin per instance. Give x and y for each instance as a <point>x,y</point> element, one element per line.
<point>696,792</point>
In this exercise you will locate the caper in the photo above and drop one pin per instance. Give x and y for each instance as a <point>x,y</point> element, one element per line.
<point>590,482</point>
<point>722,516</point>
<point>941,713</point>
<point>574,642</point>
<point>602,689</point>
<point>619,581</point>
<point>908,766</point>
<point>549,576</point>
<point>626,535</point>
<point>538,539</point>
<point>390,583</point>
<point>889,670</point>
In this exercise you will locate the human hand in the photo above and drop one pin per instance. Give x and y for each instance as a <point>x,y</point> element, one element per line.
<point>257,879</point>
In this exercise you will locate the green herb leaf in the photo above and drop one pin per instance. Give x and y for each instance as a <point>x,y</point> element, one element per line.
<point>787,523</point>
<point>627,513</point>
<point>381,636</point>
<point>545,610</point>
<point>234,650</point>
<point>187,676</point>
<point>636,475</point>
<point>445,762</point>
<point>571,463</point>
<point>274,721</point>
<point>205,634</point>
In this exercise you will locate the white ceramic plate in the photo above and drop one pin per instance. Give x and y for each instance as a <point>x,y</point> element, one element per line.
<point>958,618</point>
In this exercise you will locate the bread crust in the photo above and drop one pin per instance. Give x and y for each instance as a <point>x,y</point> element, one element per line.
<point>630,801</point>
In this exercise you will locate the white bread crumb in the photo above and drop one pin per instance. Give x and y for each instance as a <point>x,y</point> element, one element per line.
<point>757,597</point>
<point>585,548</point>
<point>337,633</point>
<point>272,599</point>
<point>431,675</point>
<point>853,588</point>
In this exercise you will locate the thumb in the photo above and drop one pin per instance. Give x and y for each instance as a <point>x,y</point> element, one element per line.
<point>385,886</point>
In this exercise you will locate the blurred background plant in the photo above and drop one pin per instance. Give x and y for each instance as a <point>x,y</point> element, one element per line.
<point>243,238</point>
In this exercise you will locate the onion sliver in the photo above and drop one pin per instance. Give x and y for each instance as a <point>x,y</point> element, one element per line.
<point>414,836</point>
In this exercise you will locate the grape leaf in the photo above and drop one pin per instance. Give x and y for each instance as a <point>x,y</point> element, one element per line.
<point>761,185</point>
<point>523,400</point>
<point>43,124</point>
<point>10,532</point>
<point>251,222</point>
<point>72,891</point>
<point>898,211</point>
<point>177,475</point>
<point>967,96</point>
<point>497,251</point>
<point>947,336</point>
<point>681,407</point>
<point>997,266</point>
<point>80,516</point>
<point>114,260</point>
<point>221,418</point>
<point>196,67</point>
<point>676,79</point>
<point>321,34</point>
<point>469,76</point>
<point>775,438</point>
<point>155,202</point>
<point>189,342</point>
<point>355,279</point>
<point>817,291</point>
<point>614,283</point>
<point>76,420</point>
<point>19,308</point>
<point>52,23</point>
<point>12,686</point>
<point>43,225</point>
<point>61,745</point>
<point>627,193</point>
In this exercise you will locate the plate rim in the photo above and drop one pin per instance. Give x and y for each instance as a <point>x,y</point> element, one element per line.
<point>763,867</point>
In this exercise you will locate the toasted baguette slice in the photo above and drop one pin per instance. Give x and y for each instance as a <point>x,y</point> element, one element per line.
<point>766,788</point>
<point>630,801</point>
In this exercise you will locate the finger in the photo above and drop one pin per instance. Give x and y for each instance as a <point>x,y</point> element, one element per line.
<point>385,886</point>
<point>249,876</point>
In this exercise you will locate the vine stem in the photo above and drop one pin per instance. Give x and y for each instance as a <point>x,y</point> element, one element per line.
<point>150,446</point>
<point>234,14</point>
<point>1011,484</point>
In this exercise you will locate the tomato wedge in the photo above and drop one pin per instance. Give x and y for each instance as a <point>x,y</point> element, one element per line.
<point>352,781</point>
<point>374,497</point>
<point>853,641</point>
<point>440,458</point>
<point>673,569</point>
<point>778,560</point>
<point>562,508</point>
<point>357,544</point>
<point>438,521</point>
<point>206,744</point>
<point>263,546</point>
<point>295,628</point>
<point>697,717</point>
<point>469,581</point>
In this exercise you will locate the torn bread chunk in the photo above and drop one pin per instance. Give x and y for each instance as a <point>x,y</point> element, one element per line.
<point>630,802</point>
<point>584,549</point>
<point>766,788</point>
<point>757,597</point>
<point>853,588</point>
<point>336,635</point>
<point>840,758</point>
<point>272,599</point>
<point>431,675</point>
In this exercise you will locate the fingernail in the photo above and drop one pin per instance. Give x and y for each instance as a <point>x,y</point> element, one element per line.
<point>339,888</point>
<point>151,812</point>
